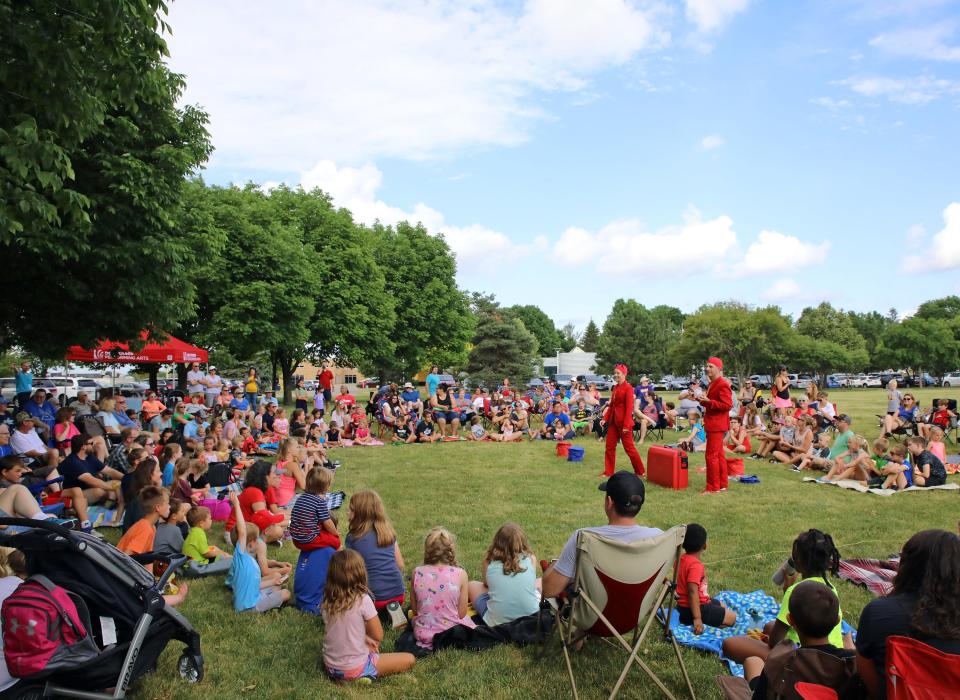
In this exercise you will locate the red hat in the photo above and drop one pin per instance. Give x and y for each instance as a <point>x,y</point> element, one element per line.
<point>622,367</point>
<point>716,362</point>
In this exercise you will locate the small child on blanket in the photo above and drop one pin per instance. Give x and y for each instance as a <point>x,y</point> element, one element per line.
<point>694,604</point>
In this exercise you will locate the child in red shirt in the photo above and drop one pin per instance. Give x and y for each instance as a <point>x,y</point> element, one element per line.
<point>694,604</point>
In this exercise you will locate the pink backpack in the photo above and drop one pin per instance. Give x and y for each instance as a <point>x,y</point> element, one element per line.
<point>42,630</point>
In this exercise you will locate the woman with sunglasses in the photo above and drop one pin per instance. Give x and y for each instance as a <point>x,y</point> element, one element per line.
<point>905,417</point>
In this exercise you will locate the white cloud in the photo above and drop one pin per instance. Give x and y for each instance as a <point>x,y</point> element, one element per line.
<point>916,234</point>
<point>929,43</point>
<point>356,189</point>
<point>785,289</point>
<point>626,246</point>
<point>711,142</point>
<point>777,252</point>
<point>830,103</point>
<point>944,250</point>
<point>919,90</point>
<point>289,84</point>
<point>712,15</point>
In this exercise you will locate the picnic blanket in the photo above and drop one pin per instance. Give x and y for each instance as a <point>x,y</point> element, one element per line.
<point>857,486</point>
<point>876,574</point>
<point>102,517</point>
<point>754,610</point>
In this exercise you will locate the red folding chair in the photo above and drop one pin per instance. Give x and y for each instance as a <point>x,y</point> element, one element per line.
<point>917,671</point>
<point>812,691</point>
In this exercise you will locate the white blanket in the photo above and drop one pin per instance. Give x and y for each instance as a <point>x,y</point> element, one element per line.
<point>857,486</point>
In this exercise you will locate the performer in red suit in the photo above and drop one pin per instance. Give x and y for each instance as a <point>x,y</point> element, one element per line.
<point>717,402</point>
<point>618,417</point>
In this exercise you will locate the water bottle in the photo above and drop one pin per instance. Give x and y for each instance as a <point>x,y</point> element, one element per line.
<point>786,570</point>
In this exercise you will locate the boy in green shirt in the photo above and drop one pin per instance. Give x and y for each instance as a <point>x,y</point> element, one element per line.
<point>205,560</point>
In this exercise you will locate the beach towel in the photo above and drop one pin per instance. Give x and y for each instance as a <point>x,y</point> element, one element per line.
<point>102,517</point>
<point>876,574</point>
<point>857,486</point>
<point>754,610</point>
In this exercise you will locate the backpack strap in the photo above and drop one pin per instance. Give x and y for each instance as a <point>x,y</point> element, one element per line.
<point>43,581</point>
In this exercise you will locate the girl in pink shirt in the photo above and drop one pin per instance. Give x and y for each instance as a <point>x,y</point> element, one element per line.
<point>281,426</point>
<point>351,644</point>
<point>439,599</point>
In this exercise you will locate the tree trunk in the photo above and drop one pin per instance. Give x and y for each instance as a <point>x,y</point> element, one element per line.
<point>152,372</point>
<point>288,366</point>
<point>182,377</point>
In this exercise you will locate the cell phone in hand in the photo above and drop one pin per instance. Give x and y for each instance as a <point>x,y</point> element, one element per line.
<point>222,494</point>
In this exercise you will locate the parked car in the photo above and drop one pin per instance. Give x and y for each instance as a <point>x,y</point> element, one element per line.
<point>951,379</point>
<point>374,382</point>
<point>919,380</point>
<point>535,382</point>
<point>603,383</point>
<point>563,380</point>
<point>857,381</point>
<point>803,380</point>
<point>762,381</point>
<point>874,381</point>
<point>833,381</point>
<point>67,388</point>
<point>841,380</point>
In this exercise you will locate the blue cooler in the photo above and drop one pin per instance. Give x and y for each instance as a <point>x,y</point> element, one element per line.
<point>575,454</point>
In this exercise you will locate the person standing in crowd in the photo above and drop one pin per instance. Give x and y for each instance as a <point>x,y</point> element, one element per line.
<point>618,419</point>
<point>325,381</point>
<point>433,379</point>
<point>195,379</point>
<point>212,384</point>
<point>251,388</point>
<point>24,380</point>
<point>781,391</point>
<point>716,403</point>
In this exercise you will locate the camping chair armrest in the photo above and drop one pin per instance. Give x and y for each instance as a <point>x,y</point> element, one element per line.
<point>37,489</point>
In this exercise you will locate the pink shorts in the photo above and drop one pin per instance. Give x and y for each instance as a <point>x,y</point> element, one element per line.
<point>368,669</point>
<point>782,403</point>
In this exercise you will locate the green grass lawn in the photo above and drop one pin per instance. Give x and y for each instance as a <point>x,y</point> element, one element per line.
<point>472,489</point>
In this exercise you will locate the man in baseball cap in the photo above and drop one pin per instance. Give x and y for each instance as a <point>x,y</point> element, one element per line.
<point>624,495</point>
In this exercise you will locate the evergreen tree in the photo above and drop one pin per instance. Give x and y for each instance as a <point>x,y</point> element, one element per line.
<point>591,337</point>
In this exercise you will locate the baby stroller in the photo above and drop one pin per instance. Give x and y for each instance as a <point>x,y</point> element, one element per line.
<point>119,603</point>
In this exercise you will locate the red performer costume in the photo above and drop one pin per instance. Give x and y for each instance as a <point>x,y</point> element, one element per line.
<point>618,415</point>
<point>717,403</point>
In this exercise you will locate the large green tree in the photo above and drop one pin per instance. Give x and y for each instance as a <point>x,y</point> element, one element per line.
<point>829,327</point>
<point>929,344</point>
<point>502,347</point>
<point>93,154</point>
<point>748,340</point>
<point>541,325</point>
<point>432,322</point>
<point>871,326</point>
<point>591,337</point>
<point>642,338</point>
<point>945,308</point>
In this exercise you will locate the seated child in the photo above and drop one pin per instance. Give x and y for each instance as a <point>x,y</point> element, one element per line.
<point>334,435</point>
<point>885,473</point>
<point>818,459</point>
<point>205,559</point>
<point>310,524</point>
<point>694,604</point>
<point>581,418</point>
<point>251,590</point>
<point>852,463</point>
<point>351,643</point>
<point>477,432</point>
<point>814,555</point>
<point>373,537</point>
<point>814,612</point>
<point>942,416</point>
<point>510,587</point>
<point>935,443</point>
<point>155,502</point>
<point>696,440</point>
<point>404,431</point>
<point>438,597</point>
<point>426,430</point>
<point>928,470</point>
<point>169,537</point>
<point>508,433</point>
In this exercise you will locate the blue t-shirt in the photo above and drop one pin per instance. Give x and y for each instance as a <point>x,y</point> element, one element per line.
<point>5,450</point>
<point>433,380</point>
<point>412,396</point>
<point>191,429</point>
<point>72,468</point>
<point>244,579</point>
<point>168,475</point>
<point>123,420</point>
<point>700,434</point>
<point>383,574</point>
<point>45,412</point>
<point>24,381</point>
<point>242,404</point>
<point>562,418</point>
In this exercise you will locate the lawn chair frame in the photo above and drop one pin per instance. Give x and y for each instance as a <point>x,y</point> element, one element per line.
<point>662,590</point>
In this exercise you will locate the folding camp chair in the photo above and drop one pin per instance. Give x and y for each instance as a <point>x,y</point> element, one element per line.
<point>954,426</point>
<point>917,671</point>
<point>618,587</point>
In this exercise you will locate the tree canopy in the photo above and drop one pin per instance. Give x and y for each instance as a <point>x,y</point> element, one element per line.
<point>502,347</point>
<point>642,338</point>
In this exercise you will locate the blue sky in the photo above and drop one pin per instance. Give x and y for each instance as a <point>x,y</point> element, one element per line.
<point>573,153</point>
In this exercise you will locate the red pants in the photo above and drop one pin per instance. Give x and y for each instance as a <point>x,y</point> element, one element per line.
<point>716,462</point>
<point>615,435</point>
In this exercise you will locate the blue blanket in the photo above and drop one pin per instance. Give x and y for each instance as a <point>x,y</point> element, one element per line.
<point>754,610</point>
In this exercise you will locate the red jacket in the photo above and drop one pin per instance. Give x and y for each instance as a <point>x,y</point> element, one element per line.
<point>619,409</point>
<point>719,401</point>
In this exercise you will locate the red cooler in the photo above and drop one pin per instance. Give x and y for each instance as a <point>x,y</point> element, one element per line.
<point>667,467</point>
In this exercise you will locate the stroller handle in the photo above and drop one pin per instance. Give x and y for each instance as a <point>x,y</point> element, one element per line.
<point>39,525</point>
<point>174,562</point>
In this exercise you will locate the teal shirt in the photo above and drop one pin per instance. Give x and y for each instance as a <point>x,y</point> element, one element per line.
<point>511,596</point>
<point>24,382</point>
<point>840,444</point>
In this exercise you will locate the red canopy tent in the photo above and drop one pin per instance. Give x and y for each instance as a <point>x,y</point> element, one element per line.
<point>170,351</point>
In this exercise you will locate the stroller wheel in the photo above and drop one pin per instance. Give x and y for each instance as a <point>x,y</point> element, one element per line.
<point>190,667</point>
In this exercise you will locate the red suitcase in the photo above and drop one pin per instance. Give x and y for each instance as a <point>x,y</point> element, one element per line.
<point>667,467</point>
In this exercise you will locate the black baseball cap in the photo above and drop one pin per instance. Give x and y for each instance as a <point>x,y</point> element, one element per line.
<point>845,418</point>
<point>622,487</point>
